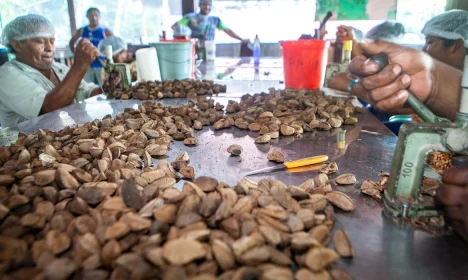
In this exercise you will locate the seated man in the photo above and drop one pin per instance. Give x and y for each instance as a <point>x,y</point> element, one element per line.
<point>119,55</point>
<point>34,84</point>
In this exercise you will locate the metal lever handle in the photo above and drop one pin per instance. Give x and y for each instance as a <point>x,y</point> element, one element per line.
<point>421,110</point>
<point>324,21</point>
<point>460,161</point>
<point>103,64</point>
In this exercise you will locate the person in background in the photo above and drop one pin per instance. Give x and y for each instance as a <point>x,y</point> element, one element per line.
<point>95,33</point>
<point>203,25</point>
<point>447,37</point>
<point>387,31</point>
<point>119,55</point>
<point>446,41</point>
<point>438,86</point>
<point>34,84</point>
<point>344,33</point>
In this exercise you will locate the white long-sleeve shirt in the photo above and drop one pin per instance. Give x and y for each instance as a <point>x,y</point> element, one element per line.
<point>23,90</point>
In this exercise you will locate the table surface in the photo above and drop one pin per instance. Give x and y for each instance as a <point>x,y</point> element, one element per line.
<point>235,68</point>
<point>383,248</point>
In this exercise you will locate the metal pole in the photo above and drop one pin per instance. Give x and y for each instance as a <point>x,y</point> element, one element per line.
<point>71,14</point>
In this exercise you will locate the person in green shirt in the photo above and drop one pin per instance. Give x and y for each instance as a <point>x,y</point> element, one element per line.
<point>203,25</point>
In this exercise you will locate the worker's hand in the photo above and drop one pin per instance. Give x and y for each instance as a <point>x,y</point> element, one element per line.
<point>323,31</point>
<point>85,53</point>
<point>340,81</point>
<point>387,89</point>
<point>453,195</point>
<point>344,33</point>
<point>112,82</point>
<point>245,41</point>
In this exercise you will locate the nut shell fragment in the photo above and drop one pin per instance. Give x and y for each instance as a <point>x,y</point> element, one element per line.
<point>235,149</point>
<point>317,259</point>
<point>276,155</point>
<point>263,139</point>
<point>329,168</point>
<point>183,251</point>
<point>346,179</point>
<point>343,244</point>
<point>191,141</point>
<point>341,201</point>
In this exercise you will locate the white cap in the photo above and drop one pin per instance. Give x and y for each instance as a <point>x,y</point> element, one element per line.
<point>26,27</point>
<point>117,44</point>
<point>451,25</point>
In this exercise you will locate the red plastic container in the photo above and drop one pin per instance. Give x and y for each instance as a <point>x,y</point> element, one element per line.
<point>194,45</point>
<point>304,63</point>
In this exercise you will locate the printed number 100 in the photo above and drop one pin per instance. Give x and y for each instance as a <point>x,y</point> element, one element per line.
<point>407,169</point>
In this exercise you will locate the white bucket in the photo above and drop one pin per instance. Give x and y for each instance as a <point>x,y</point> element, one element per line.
<point>210,50</point>
<point>147,65</point>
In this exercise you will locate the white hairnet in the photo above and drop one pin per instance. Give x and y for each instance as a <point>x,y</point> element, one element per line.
<point>451,25</point>
<point>182,31</point>
<point>358,34</point>
<point>117,43</point>
<point>387,31</point>
<point>26,27</point>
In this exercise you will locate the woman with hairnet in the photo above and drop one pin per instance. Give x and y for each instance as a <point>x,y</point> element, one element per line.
<point>447,37</point>
<point>203,25</point>
<point>119,55</point>
<point>34,84</point>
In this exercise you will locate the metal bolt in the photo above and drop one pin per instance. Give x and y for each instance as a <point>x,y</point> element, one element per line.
<point>405,210</point>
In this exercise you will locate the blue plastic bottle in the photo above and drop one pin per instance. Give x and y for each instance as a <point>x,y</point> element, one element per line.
<point>256,52</point>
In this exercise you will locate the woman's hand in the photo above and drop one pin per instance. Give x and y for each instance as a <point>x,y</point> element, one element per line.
<point>344,33</point>
<point>387,90</point>
<point>453,195</point>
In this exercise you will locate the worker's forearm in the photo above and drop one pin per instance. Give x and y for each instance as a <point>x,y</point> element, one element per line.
<point>72,47</point>
<point>65,92</point>
<point>232,34</point>
<point>445,96</point>
<point>73,40</point>
<point>72,43</point>
<point>359,91</point>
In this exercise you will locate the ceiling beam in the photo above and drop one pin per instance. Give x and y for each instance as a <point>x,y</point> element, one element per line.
<point>71,14</point>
